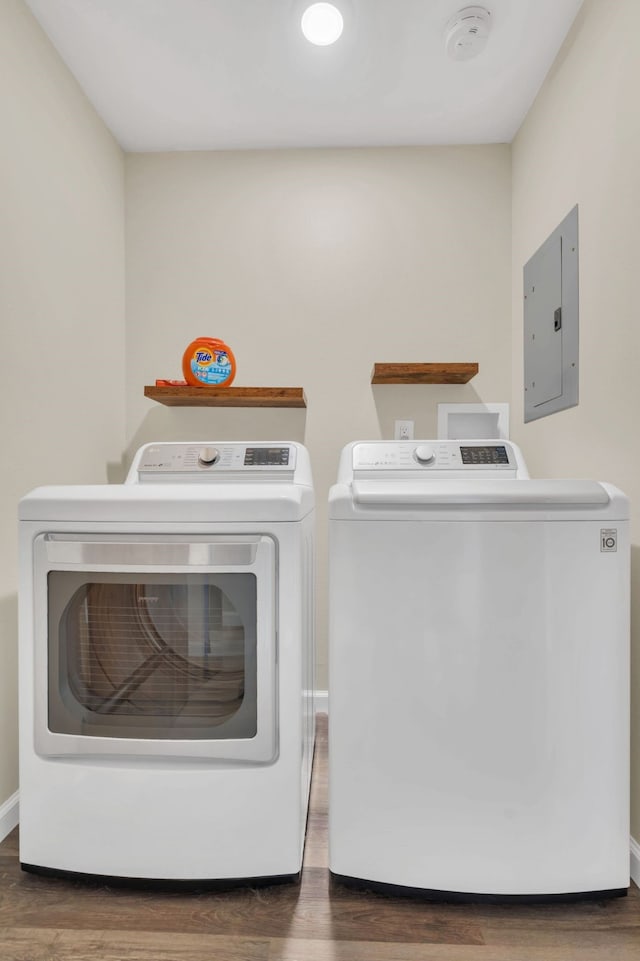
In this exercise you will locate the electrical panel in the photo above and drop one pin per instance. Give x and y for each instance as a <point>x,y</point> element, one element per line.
<point>551,323</point>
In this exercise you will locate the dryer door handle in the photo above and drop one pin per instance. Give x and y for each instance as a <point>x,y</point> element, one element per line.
<point>158,553</point>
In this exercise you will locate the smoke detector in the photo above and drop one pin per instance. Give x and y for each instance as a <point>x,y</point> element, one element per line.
<point>467,33</point>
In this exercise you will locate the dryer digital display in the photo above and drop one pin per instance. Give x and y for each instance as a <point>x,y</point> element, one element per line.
<point>266,456</point>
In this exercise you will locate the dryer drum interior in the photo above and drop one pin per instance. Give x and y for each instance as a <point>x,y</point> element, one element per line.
<point>172,655</point>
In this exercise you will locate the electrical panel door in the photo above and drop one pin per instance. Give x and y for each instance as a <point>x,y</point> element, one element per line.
<point>551,323</point>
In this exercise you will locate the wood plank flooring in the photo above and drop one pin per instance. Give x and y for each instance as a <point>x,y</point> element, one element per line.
<point>319,920</point>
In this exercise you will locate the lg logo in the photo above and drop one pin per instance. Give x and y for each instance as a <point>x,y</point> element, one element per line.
<point>608,539</point>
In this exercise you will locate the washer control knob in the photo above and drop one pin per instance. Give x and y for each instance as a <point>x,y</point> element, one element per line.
<point>424,454</point>
<point>208,456</point>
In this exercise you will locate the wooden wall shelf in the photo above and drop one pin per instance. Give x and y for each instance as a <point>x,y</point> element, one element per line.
<point>227,396</point>
<point>423,373</point>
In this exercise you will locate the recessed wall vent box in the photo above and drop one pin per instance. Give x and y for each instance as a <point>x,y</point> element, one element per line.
<point>551,323</point>
<point>473,421</point>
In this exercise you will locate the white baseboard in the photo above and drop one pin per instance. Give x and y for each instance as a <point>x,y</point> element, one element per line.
<point>635,861</point>
<point>9,815</point>
<point>322,702</point>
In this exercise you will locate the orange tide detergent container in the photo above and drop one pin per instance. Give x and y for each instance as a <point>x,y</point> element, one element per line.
<point>208,362</point>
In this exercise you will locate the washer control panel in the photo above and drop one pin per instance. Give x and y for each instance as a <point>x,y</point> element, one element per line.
<point>184,459</point>
<point>434,456</point>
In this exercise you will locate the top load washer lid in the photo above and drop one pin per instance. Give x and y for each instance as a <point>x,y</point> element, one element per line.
<point>529,493</point>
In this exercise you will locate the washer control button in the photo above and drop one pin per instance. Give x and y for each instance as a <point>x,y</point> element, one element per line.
<point>208,456</point>
<point>424,454</point>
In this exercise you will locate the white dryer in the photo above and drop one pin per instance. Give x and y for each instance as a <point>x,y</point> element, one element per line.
<point>167,667</point>
<point>479,675</point>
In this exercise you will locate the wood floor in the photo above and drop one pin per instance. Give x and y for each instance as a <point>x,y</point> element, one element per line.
<point>56,920</point>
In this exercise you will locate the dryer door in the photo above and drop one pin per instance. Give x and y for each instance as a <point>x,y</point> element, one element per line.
<point>156,646</point>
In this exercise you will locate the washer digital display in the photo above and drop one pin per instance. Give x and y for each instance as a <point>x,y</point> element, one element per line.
<point>484,455</point>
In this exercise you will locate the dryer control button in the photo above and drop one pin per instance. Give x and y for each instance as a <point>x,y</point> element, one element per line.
<point>208,456</point>
<point>424,454</point>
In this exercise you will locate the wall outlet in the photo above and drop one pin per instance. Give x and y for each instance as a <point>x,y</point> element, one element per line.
<point>403,430</point>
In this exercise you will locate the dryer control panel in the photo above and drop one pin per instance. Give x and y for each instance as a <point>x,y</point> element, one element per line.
<point>183,463</point>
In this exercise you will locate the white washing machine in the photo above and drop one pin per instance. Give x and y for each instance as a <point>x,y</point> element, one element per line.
<point>167,667</point>
<point>479,675</point>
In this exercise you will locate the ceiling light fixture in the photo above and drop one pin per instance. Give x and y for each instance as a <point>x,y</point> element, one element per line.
<point>322,24</point>
<point>467,33</point>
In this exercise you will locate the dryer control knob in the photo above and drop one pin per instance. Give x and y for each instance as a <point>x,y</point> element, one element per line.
<point>424,454</point>
<point>208,456</point>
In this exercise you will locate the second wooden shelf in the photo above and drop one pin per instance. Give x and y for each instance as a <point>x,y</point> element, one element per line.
<point>423,373</point>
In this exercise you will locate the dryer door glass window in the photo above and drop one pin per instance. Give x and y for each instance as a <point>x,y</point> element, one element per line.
<point>158,655</point>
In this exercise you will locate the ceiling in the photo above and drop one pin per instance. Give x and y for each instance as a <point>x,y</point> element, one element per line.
<point>223,74</point>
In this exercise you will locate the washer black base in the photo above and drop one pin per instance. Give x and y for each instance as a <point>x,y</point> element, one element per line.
<point>162,884</point>
<point>459,897</point>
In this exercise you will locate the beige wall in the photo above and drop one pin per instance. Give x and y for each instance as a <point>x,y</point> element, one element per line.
<point>61,304</point>
<point>581,144</point>
<point>313,265</point>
